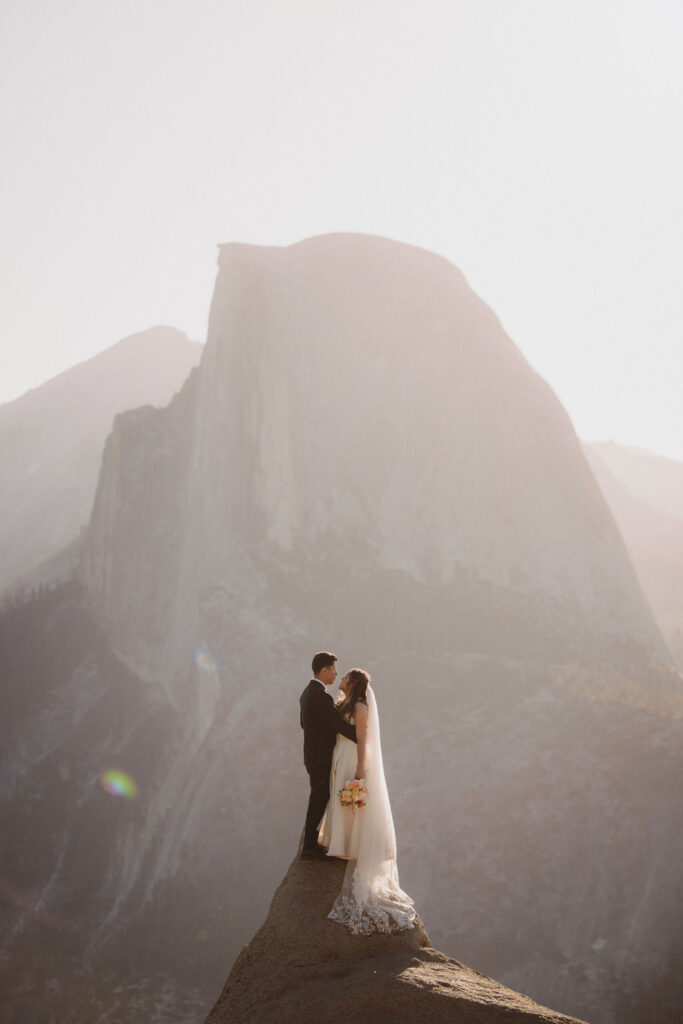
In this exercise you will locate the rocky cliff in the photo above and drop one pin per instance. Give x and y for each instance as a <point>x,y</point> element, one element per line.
<point>301,968</point>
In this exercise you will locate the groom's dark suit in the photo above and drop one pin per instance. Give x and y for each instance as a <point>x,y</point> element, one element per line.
<point>320,722</point>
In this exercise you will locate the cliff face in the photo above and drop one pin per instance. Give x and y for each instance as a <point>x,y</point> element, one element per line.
<point>301,968</point>
<point>362,462</point>
<point>354,392</point>
<point>51,441</point>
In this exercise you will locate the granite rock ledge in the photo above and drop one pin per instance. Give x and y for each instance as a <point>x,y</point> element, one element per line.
<point>301,967</point>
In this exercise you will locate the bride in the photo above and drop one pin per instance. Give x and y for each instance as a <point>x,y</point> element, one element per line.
<point>371,899</point>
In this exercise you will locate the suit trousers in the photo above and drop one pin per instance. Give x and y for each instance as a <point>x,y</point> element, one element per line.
<point>319,777</point>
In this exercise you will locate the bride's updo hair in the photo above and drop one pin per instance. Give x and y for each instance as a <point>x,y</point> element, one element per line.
<point>358,690</point>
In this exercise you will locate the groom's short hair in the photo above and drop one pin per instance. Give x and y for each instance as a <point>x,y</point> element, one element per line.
<point>321,660</point>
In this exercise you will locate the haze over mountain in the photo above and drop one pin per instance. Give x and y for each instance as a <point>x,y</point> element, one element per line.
<point>51,440</point>
<point>653,478</point>
<point>639,488</point>
<point>362,461</point>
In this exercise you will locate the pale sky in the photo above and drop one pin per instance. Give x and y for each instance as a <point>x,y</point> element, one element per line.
<point>536,144</point>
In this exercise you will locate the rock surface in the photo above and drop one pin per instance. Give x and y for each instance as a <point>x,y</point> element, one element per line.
<point>301,968</point>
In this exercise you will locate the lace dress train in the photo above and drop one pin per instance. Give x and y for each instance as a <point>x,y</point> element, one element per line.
<point>371,899</point>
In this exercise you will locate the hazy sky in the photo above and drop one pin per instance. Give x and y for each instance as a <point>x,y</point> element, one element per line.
<point>537,144</point>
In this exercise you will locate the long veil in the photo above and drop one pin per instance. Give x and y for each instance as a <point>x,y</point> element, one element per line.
<point>371,899</point>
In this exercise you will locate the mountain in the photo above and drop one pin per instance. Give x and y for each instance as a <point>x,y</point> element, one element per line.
<point>655,479</point>
<point>51,442</point>
<point>364,462</point>
<point>638,488</point>
<point>348,398</point>
<point>303,969</point>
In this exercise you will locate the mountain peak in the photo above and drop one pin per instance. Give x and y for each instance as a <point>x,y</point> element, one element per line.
<point>335,244</point>
<point>301,967</point>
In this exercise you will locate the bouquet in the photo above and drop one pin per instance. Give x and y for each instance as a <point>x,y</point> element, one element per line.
<point>354,794</point>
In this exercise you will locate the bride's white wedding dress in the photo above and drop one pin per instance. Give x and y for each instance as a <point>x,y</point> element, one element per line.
<point>371,899</point>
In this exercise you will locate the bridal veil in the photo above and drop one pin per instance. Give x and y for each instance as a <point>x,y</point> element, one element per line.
<point>371,899</point>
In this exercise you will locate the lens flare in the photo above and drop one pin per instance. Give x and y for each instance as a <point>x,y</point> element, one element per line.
<point>118,783</point>
<point>204,659</point>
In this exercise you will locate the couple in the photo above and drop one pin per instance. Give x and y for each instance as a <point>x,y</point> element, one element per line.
<point>342,744</point>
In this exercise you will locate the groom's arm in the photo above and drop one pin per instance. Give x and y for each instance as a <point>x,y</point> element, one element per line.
<point>334,719</point>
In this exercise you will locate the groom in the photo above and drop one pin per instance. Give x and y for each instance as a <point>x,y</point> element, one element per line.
<point>320,722</point>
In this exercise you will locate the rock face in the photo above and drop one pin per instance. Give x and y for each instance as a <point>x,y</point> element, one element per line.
<point>353,394</point>
<point>645,494</point>
<point>301,968</point>
<point>51,442</point>
<point>362,462</point>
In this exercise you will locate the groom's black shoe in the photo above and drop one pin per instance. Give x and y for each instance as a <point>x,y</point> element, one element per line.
<point>315,853</point>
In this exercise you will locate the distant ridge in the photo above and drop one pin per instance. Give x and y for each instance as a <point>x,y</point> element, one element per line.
<point>655,479</point>
<point>645,494</point>
<point>51,441</point>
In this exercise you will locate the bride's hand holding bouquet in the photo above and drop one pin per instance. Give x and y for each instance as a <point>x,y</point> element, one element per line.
<point>353,794</point>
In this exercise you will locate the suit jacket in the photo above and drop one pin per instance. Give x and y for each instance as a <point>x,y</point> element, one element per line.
<point>321,722</point>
